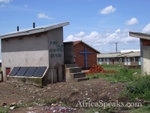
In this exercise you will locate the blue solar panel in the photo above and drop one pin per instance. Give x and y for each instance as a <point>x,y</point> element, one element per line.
<point>14,71</point>
<point>22,71</point>
<point>39,71</point>
<point>30,71</point>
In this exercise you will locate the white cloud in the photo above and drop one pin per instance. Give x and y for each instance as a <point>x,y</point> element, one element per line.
<point>132,21</point>
<point>146,29</point>
<point>106,40</point>
<point>107,10</point>
<point>42,15</point>
<point>5,1</point>
<point>80,34</point>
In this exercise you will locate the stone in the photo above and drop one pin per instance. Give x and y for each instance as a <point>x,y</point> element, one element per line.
<point>4,104</point>
<point>12,104</point>
<point>12,107</point>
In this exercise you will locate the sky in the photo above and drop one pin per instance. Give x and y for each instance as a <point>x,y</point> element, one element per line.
<point>99,23</point>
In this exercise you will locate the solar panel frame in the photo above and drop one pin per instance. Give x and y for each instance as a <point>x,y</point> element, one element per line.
<point>40,71</point>
<point>30,71</point>
<point>14,71</point>
<point>22,71</point>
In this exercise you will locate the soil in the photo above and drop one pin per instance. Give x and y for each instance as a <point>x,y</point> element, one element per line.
<point>95,90</point>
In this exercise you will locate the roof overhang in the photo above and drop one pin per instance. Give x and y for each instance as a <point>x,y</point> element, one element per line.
<point>140,35</point>
<point>34,30</point>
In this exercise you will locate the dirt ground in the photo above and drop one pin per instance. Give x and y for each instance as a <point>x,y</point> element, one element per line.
<point>68,93</point>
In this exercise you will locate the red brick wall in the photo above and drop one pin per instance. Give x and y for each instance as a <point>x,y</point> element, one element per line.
<point>91,58</point>
<point>145,42</point>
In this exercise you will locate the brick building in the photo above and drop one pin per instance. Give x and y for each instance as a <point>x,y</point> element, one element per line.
<point>85,55</point>
<point>80,53</point>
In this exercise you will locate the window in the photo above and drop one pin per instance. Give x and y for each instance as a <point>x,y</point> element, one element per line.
<point>133,59</point>
<point>7,70</point>
<point>120,60</point>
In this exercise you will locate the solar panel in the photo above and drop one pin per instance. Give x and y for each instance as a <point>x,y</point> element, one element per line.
<point>39,71</point>
<point>14,71</point>
<point>22,71</point>
<point>30,71</point>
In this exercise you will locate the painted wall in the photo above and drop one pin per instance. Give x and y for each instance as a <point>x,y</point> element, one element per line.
<point>145,56</point>
<point>56,55</point>
<point>24,51</point>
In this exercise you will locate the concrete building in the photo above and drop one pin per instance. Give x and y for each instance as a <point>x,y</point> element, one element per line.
<point>83,55</point>
<point>145,50</point>
<point>35,47</point>
<point>123,57</point>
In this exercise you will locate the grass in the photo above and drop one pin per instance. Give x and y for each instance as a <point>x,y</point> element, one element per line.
<point>144,109</point>
<point>111,67</point>
<point>4,109</point>
<point>136,86</point>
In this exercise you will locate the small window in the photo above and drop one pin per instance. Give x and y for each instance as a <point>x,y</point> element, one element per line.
<point>8,71</point>
<point>120,60</point>
<point>104,59</point>
<point>133,59</point>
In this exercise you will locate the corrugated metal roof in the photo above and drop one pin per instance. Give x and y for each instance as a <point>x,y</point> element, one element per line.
<point>107,55</point>
<point>140,35</point>
<point>34,30</point>
<point>113,55</point>
<point>80,41</point>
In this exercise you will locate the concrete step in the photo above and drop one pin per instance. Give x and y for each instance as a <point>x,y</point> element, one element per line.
<point>81,79</point>
<point>78,75</point>
<point>71,65</point>
<point>75,69</point>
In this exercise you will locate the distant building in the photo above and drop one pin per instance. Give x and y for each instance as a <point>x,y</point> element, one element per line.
<point>145,50</point>
<point>124,57</point>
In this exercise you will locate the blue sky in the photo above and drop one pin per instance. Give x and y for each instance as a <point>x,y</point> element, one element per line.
<point>99,23</point>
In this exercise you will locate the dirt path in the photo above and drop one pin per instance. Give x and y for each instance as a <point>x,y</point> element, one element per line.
<point>68,93</point>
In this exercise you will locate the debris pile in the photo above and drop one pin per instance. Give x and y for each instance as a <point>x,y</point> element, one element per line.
<point>98,69</point>
<point>58,108</point>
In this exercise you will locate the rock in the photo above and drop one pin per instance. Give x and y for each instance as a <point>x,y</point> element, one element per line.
<point>12,107</point>
<point>12,104</point>
<point>135,73</point>
<point>49,88</point>
<point>4,104</point>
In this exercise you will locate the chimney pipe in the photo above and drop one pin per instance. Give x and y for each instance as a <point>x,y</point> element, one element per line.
<point>17,28</point>
<point>33,24</point>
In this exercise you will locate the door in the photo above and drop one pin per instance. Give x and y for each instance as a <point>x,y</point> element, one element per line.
<point>100,61</point>
<point>139,61</point>
<point>107,60</point>
<point>129,61</point>
<point>125,61</point>
<point>113,61</point>
<point>7,71</point>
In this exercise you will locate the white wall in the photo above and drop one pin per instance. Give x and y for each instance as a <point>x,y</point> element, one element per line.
<point>25,58</point>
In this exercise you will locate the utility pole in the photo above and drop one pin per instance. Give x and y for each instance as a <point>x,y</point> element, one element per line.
<point>116,47</point>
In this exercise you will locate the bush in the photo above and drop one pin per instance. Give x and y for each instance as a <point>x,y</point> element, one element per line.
<point>139,87</point>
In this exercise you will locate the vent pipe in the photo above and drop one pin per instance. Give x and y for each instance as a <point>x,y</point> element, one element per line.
<point>17,28</point>
<point>33,24</point>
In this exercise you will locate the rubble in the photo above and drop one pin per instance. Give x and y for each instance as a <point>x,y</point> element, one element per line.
<point>98,69</point>
<point>58,108</point>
